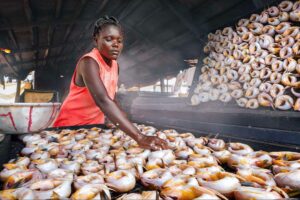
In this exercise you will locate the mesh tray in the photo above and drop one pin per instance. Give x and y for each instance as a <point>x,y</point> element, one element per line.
<point>17,145</point>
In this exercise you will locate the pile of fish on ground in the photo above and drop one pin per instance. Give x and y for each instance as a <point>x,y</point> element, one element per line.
<point>256,63</point>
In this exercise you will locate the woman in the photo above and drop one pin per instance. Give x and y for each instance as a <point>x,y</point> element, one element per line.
<point>94,83</point>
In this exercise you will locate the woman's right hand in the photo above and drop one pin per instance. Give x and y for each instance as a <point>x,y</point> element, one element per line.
<point>152,142</point>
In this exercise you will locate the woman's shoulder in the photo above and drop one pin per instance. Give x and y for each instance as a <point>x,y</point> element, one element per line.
<point>88,57</point>
<point>87,61</point>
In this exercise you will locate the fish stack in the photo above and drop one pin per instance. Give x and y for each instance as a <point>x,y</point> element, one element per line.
<point>256,63</point>
<point>87,164</point>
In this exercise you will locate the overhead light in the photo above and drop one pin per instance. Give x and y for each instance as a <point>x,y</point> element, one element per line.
<point>61,76</point>
<point>5,50</point>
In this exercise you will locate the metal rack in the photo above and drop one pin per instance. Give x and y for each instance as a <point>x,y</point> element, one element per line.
<point>264,129</point>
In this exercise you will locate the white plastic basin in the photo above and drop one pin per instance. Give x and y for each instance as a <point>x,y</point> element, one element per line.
<point>20,118</point>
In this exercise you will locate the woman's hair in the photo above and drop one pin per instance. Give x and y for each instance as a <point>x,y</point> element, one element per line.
<point>103,21</point>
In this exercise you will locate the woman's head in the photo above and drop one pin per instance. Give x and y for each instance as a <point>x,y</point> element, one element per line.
<point>108,36</point>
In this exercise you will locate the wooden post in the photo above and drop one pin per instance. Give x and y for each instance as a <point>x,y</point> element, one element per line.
<point>17,98</point>
<point>162,85</point>
<point>167,85</point>
<point>3,82</point>
<point>33,80</point>
<point>195,81</point>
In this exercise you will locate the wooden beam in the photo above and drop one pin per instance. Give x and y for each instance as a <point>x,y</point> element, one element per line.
<point>183,16</point>
<point>17,97</point>
<point>35,37</point>
<point>231,15</point>
<point>4,59</point>
<point>44,47</point>
<point>34,30</point>
<point>35,41</point>
<point>163,47</point>
<point>12,36</point>
<point>153,44</point>
<point>32,62</point>
<point>58,8</point>
<point>128,9</point>
<point>76,15</point>
<point>51,30</point>
<point>28,10</point>
<point>87,26</point>
<point>162,84</point>
<point>260,4</point>
<point>152,14</point>
<point>45,23</point>
<point>54,22</point>
<point>209,9</point>
<point>50,35</point>
<point>143,20</point>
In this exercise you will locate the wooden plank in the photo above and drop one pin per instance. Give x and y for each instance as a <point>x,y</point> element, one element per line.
<point>51,31</point>
<point>183,16</point>
<point>51,46</point>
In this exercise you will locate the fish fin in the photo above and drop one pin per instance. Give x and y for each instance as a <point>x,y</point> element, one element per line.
<point>281,192</point>
<point>54,196</point>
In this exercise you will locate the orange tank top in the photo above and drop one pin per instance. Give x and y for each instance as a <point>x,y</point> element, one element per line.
<point>79,108</point>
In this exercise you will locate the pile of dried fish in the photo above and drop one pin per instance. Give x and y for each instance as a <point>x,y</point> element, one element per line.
<point>256,63</point>
<point>89,163</point>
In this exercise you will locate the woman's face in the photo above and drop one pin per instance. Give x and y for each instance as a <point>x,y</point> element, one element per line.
<point>110,42</point>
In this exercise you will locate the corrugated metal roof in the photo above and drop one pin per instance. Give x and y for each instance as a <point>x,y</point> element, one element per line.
<point>49,36</point>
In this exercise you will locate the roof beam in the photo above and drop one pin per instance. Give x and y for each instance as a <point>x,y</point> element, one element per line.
<point>32,62</point>
<point>121,11</point>
<point>54,22</point>
<point>260,4</point>
<point>44,47</point>
<point>51,30</point>
<point>76,15</point>
<point>129,9</point>
<point>4,59</point>
<point>143,20</point>
<point>13,38</point>
<point>87,26</point>
<point>43,23</point>
<point>163,46</point>
<point>72,54</point>
<point>34,30</point>
<point>153,44</point>
<point>183,15</point>
<point>237,10</point>
<point>14,43</point>
<point>30,18</point>
<point>78,11</point>
<point>28,11</point>
<point>153,13</point>
<point>58,8</point>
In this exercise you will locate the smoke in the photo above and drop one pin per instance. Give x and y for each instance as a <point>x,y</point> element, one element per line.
<point>148,65</point>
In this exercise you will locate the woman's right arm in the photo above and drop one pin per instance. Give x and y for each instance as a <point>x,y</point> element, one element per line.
<point>89,71</point>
